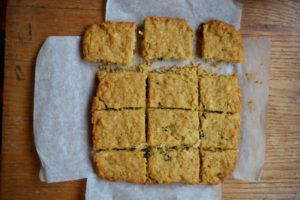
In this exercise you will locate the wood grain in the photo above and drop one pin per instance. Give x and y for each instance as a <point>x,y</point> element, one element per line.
<point>29,22</point>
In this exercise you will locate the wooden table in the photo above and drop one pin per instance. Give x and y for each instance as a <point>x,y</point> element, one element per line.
<point>28,24</point>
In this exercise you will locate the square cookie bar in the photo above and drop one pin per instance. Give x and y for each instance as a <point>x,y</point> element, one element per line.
<point>174,166</point>
<point>120,90</point>
<point>217,165</point>
<point>111,42</point>
<point>118,129</point>
<point>122,165</point>
<point>220,131</point>
<point>172,127</point>
<point>220,93</point>
<point>166,38</point>
<point>173,90</point>
<point>221,42</point>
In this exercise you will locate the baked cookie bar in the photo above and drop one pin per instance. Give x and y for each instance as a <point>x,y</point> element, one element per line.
<point>220,131</point>
<point>217,165</point>
<point>122,165</point>
<point>173,90</point>
<point>174,166</point>
<point>166,38</point>
<point>118,129</point>
<point>111,42</point>
<point>221,42</point>
<point>220,93</point>
<point>172,127</point>
<point>184,142</point>
<point>120,90</point>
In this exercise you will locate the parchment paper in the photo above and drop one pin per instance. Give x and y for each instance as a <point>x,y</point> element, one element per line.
<point>63,89</point>
<point>254,82</point>
<point>64,85</point>
<point>98,189</point>
<point>194,11</point>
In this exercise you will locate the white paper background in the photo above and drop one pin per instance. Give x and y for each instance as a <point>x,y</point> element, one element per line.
<point>98,189</point>
<point>194,11</point>
<point>64,85</point>
<point>252,140</point>
<point>63,88</point>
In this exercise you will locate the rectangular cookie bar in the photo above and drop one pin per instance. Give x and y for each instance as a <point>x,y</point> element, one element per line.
<point>217,165</point>
<point>173,90</point>
<point>220,93</point>
<point>122,165</point>
<point>120,90</point>
<point>118,129</point>
<point>174,166</point>
<point>166,38</point>
<point>221,42</point>
<point>220,131</point>
<point>172,127</point>
<point>111,42</point>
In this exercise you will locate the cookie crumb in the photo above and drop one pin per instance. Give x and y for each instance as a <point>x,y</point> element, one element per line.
<point>251,105</point>
<point>259,82</point>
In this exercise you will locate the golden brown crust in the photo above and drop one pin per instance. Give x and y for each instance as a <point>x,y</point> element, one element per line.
<point>222,42</point>
<point>220,93</point>
<point>166,38</point>
<point>122,165</point>
<point>171,90</point>
<point>174,166</point>
<point>217,165</point>
<point>118,129</point>
<point>172,127</point>
<point>97,104</point>
<point>220,131</point>
<point>111,42</point>
<point>121,90</point>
